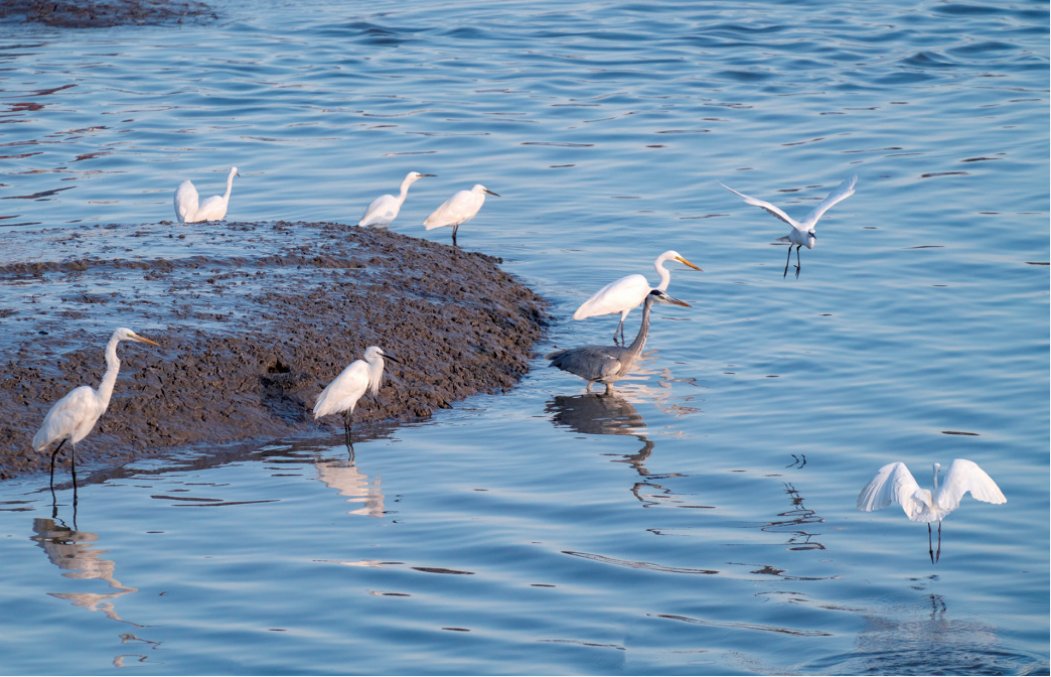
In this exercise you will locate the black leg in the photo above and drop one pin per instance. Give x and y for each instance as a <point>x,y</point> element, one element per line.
<point>455,228</point>
<point>788,260</point>
<point>73,470</point>
<point>930,548</point>
<point>938,555</point>
<point>349,439</point>
<point>799,265</point>
<point>53,455</point>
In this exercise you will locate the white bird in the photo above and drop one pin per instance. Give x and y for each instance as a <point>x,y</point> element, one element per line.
<point>802,233</point>
<point>895,485</point>
<point>72,417</point>
<point>343,393</point>
<point>212,209</point>
<point>384,209</point>
<point>623,295</point>
<point>459,209</point>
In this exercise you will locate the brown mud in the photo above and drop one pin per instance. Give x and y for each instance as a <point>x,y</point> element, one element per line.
<point>103,13</point>
<point>254,319</point>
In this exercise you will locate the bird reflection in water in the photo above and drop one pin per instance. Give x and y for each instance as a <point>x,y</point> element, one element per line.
<point>594,414</point>
<point>75,553</point>
<point>796,522</point>
<point>343,475</point>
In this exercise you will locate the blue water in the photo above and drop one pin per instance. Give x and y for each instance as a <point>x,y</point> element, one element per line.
<point>700,522</point>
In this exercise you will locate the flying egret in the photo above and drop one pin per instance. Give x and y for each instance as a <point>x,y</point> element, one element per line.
<point>802,233</point>
<point>72,417</point>
<point>343,393</point>
<point>607,364</point>
<point>625,294</point>
<point>212,209</point>
<point>459,209</point>
<point>895,485</point>
<point>384,209</point>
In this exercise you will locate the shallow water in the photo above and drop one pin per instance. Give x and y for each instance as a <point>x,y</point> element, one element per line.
<point>702,521</point>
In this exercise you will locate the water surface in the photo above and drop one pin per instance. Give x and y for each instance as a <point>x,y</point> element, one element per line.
<point>701,521</point>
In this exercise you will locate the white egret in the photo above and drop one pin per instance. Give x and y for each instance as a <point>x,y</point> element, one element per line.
<point>802,233</point>
<point>212,209</point>
<point>383,210</point>
<point>459,209</point>
<point>72,417</point>
<point>343,393</point>
<point>607,364</point>
<point>895,485</point>
<point>627,293</point>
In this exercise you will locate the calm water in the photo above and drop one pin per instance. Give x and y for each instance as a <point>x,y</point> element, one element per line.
<point>703,520</point>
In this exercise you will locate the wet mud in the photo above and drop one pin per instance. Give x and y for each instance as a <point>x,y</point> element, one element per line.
<point>254,319</point>
<point>102,13</point>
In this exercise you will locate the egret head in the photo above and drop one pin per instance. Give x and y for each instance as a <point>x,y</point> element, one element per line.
<point>125,334</point>
<point>811,239</point>
<point>234,171</point>
<point>416,176</point>
<point>672,255</point>
<point>479,188</point>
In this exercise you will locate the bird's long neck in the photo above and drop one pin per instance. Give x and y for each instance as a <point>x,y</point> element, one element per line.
<point>109,379</point>
<point>640,339</point>
<point>375,375</point>
<point>229,186</point>
<point>665,275</point>
<point>404,189</point>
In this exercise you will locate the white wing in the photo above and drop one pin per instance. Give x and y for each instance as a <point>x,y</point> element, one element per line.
<point>185,201</point>
<point>893,485</point>
<point>842,192</point>
<point>212,209</point>
<point>617,296</point>
<point>344,391</point>
<point>457,210</point>
<point>78,408</point>
<point>381,212</point>
<point>773,209</point>
<point>964,476</point>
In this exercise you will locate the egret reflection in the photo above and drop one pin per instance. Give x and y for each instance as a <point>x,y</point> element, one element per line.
<point>76,553</point>
<point>343,475</point>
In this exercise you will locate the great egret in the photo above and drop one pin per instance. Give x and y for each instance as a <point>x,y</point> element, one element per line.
<point>802,233</point>
<point>895,485</point>
<point>384,209</point>
<point>459,209</point>
<point>607,364</point>
<point>212,209</point>
<point>625,294</point>
<point>343,393</point>
<point>72,417</point>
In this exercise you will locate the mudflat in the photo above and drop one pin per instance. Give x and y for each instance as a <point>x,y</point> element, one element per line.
<point>254,319</point>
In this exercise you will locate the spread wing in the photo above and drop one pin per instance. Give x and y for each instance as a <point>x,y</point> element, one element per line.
<point>964,476</point>
<point>842,192</point>
<point>893,485</point>
<point>762,204</point>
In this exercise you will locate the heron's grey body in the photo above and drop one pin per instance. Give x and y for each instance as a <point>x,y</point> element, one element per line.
<point>608,364</point>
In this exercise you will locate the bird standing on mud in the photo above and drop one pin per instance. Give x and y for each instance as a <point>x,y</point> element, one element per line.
<point>627,293</point>
<point>383,210</point>
<point>459,209</point>
<point>343,393</point>
<point>72,417</point>
<point>212,209</point>
<point>802,233</point>
<point>607,364</point>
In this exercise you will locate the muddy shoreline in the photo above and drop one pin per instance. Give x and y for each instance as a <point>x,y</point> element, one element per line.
<point>253,320</point>
<point>105,13</point>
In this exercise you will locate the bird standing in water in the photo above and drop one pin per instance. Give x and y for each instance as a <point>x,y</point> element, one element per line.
<point>607,364</point>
